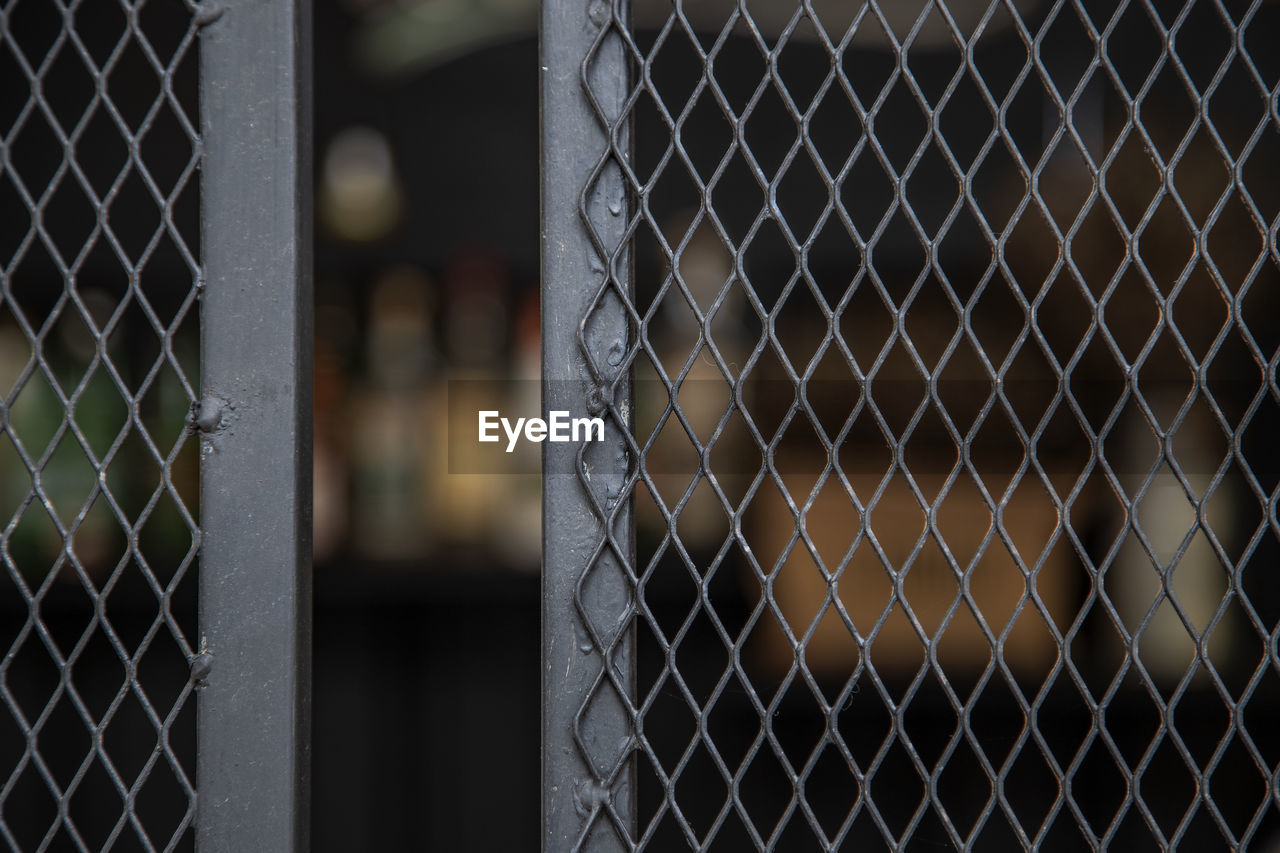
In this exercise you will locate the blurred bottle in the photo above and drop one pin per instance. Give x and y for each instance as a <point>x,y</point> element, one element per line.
<point>65,472</point>
<point>391,433</point>
<point>330,506</point>
<point>32,416</point>
<point>1167,519</point>
<point>471,505</point>
<point>705,394</point>
<point>522,546</point>
<point>476,320</point>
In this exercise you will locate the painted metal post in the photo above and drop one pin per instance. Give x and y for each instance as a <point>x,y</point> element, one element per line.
<point>588,343</point>
<point>253,764</point>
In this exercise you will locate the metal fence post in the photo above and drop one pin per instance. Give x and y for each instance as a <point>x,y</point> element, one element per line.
<point>253,764</point>
<point>588,551</point>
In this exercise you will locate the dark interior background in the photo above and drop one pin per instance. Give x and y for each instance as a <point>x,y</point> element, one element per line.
<point>427,647</point>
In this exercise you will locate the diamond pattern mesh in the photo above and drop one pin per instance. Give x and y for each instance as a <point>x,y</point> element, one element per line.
<point>954,333</point>
<point>99,149</point>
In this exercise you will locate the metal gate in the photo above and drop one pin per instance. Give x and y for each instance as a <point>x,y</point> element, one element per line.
<point>937,344</point>
<point>155,458</point>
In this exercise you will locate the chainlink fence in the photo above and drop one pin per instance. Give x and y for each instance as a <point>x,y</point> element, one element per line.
<point>99,339</point>
<point>938,344</point>
<point>138,250</point>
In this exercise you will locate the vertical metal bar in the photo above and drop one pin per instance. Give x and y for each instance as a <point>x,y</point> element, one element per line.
<point>588,548</point>
<point>253,711</point>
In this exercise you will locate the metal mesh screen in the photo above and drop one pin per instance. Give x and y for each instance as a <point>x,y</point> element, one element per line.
<point>953,335</point>
<point>99,150</point>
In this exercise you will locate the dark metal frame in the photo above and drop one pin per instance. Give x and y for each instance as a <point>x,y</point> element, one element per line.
<point>254,661</point>
<point>588,557</point>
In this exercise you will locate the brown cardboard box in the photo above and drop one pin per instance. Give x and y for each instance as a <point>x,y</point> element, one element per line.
<point>929,581</point>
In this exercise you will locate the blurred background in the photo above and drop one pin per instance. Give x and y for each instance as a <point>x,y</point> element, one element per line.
<point>427,648</point>
<point>427,595</point>
<point>427,644</point>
